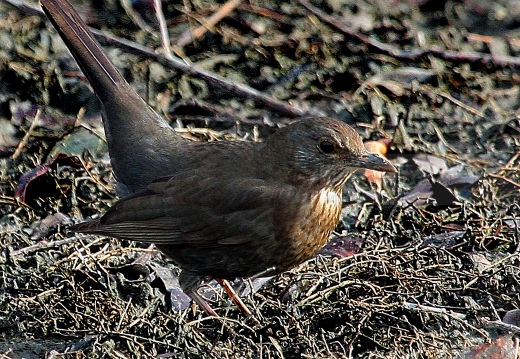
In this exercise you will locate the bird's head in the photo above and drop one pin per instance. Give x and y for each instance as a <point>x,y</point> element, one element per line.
<point>323,152</point>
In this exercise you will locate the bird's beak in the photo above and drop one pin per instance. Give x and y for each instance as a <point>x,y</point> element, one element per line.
<point>372,161</point>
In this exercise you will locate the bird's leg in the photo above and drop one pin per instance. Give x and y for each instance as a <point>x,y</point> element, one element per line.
<point>190,283</point>
<point>201,302</point>
<point>234,296</point>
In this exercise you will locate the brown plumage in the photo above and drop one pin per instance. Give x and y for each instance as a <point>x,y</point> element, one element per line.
<point>223,209</point>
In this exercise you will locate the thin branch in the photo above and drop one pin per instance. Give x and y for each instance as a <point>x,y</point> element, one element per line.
<point>42,245</point>
<point>415,54</point>
<point>188,36</point>
<point>240,90</point>
<point>27,135</point>
<point>137,19</point>
<point>165,37</point>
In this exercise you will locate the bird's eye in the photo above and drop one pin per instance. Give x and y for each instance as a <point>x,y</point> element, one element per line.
<point>326,146</point>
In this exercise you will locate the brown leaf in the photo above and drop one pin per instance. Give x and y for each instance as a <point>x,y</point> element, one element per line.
<point>512,317</point>
<point>343,246</point>
<point>379,147</point>
<point>504,347</point>
<point>30,178</point>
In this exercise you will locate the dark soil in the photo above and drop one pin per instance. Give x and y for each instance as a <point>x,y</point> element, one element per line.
<point>423,265</point>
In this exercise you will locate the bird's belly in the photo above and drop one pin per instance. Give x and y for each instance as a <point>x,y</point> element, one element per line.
<point>293,244</point>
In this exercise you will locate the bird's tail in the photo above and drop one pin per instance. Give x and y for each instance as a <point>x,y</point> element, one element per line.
<point>94,63</point>
<point>141,143</point>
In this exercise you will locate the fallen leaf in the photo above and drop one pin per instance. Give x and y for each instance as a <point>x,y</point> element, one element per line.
<point>342,247</point>
<point>503,347</point>
<point>430,164</point>
<point>399,81</point>
<point>512,317</point>
<point>379,147</point>
<point>442,240</point>
<point>28,180</point>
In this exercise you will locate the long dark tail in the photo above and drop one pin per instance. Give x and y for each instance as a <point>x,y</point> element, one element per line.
<point>141,143</point>
<point>96,66</point>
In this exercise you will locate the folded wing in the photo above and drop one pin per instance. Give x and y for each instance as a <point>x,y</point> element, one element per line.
<point>172,211</point>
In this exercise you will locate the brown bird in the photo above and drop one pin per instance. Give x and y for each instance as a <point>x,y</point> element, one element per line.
<point>221,209</point>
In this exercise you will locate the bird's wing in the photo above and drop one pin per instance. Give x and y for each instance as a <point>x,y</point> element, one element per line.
<point>197,209</point>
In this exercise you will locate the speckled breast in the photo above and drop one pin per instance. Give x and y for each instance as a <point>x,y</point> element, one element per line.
<point>311,233</point>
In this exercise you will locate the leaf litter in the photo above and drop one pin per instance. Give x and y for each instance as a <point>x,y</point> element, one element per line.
<point>423,266</point>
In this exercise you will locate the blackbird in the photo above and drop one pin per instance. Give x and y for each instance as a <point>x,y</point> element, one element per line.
<point>220,209</point>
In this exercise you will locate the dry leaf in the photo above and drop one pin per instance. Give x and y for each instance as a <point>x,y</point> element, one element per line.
<point>379,147</point>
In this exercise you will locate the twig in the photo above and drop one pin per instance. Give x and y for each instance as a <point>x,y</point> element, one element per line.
<point>12,201</point>
<point>165,37</point>
<point>188,36</point>
<point>138,20</point>
<point>94,178</point>
<point>510,163</point>
<point>461,104</point>
<point>77,253</point>
<point>79,116</point>
<point>489,39</point>
<point>415,54</point>
<point>498,324</point>
<point>265,13</point>
<point>27,135</point>
<point>505,179</point>
<point>240,90</point>
<point>444,312</point>
<point>436,310</point>
<point>43,245</point>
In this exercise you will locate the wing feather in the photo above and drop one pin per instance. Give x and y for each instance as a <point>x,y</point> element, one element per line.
<point>223,211</point>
